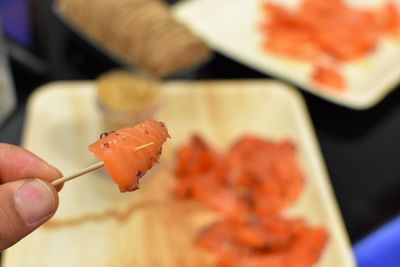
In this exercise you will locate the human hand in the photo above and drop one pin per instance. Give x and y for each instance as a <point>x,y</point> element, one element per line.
<point>27,200</point>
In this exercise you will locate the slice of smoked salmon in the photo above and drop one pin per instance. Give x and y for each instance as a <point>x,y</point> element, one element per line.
<point>263,242</point>
<point>122,161</point>
<point>249,185</point>
<point>254,175</point>
<point>319,30</point>
<point>328,77</point>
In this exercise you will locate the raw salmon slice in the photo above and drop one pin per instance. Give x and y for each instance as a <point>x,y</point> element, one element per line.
<point>123,162</point>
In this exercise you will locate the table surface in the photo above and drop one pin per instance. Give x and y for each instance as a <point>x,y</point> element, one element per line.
<point>361,148</point>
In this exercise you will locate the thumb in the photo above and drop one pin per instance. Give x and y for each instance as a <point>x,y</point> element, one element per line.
<point>24,205</point>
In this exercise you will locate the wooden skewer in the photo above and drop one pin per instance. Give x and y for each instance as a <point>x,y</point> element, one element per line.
<point>90,168</point>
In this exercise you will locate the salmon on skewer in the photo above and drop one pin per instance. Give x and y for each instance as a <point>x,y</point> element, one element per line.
<point>122,160</point>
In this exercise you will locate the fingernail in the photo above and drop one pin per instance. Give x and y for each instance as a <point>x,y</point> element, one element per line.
<point>34,201</point>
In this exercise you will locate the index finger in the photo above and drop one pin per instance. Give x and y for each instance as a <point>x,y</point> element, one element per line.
<point>18,163</point>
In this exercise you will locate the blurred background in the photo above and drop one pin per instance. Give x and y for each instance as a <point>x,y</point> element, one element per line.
<point>361,148</point>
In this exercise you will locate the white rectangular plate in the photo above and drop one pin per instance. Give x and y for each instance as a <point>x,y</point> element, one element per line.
<point>232,27</point>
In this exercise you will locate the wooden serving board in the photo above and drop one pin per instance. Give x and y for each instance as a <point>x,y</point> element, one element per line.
<point>98,226</point>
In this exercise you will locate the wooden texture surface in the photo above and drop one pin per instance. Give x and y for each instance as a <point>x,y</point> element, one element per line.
<point>98,226</point>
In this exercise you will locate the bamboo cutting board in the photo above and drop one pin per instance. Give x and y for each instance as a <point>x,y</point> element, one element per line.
<point>98,226</point>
